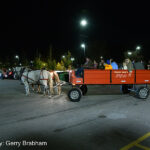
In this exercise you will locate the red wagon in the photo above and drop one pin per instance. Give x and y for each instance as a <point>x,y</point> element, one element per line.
<point>135,81</point>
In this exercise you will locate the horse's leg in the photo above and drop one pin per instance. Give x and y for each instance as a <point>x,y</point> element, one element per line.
<point>46,91</point>
<point>26,85</point>
<point>39,89</point>
<point>27,88</point>
<point>58,85</point>
<point>33,89</point>
<point>45,87</point>
<point>51,87</point>
<point>59,89</point>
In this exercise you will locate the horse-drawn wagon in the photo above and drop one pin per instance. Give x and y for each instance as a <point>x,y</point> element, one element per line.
<point>135,81</point>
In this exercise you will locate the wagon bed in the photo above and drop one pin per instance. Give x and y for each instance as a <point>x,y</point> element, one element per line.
<point>128,80</point>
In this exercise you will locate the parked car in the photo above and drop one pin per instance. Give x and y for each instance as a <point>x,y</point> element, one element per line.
<point>8,74</point>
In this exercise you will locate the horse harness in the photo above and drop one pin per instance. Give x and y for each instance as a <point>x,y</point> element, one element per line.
<point>42,75</point>
<point>27,77</point>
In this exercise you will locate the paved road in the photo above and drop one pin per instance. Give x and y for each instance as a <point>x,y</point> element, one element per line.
<point>103,120</point>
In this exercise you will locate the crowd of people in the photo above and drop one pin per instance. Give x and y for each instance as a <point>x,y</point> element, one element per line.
<point>111,64</point>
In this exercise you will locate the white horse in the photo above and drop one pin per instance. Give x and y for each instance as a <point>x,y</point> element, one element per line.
<point>42,77</point>
<point>18,72</point>
<point>54,84</point>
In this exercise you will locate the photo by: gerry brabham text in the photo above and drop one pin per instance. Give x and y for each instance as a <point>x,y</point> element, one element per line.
<point>18,144</point>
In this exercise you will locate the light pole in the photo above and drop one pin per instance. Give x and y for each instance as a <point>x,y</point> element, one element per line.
<point>83,46</point>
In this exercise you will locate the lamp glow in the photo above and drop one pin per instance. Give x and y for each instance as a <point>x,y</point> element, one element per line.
<point>83,23</point>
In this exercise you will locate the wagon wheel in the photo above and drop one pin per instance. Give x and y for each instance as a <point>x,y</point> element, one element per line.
<point>75,94</point>
<point>84,89</point>
<point>142,92</point>
<point>125,89</point>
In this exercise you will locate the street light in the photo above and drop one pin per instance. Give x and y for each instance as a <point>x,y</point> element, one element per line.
<point>17,57</point>
<point>129,53</point>
<point>72,58</point>
<point>63,56</point>
<point>17,60</point>
<point>83,46</point>
<point>138,48</point>
<point>83,22</point>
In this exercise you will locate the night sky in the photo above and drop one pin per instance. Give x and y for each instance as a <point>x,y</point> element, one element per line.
<point>112,26</point>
